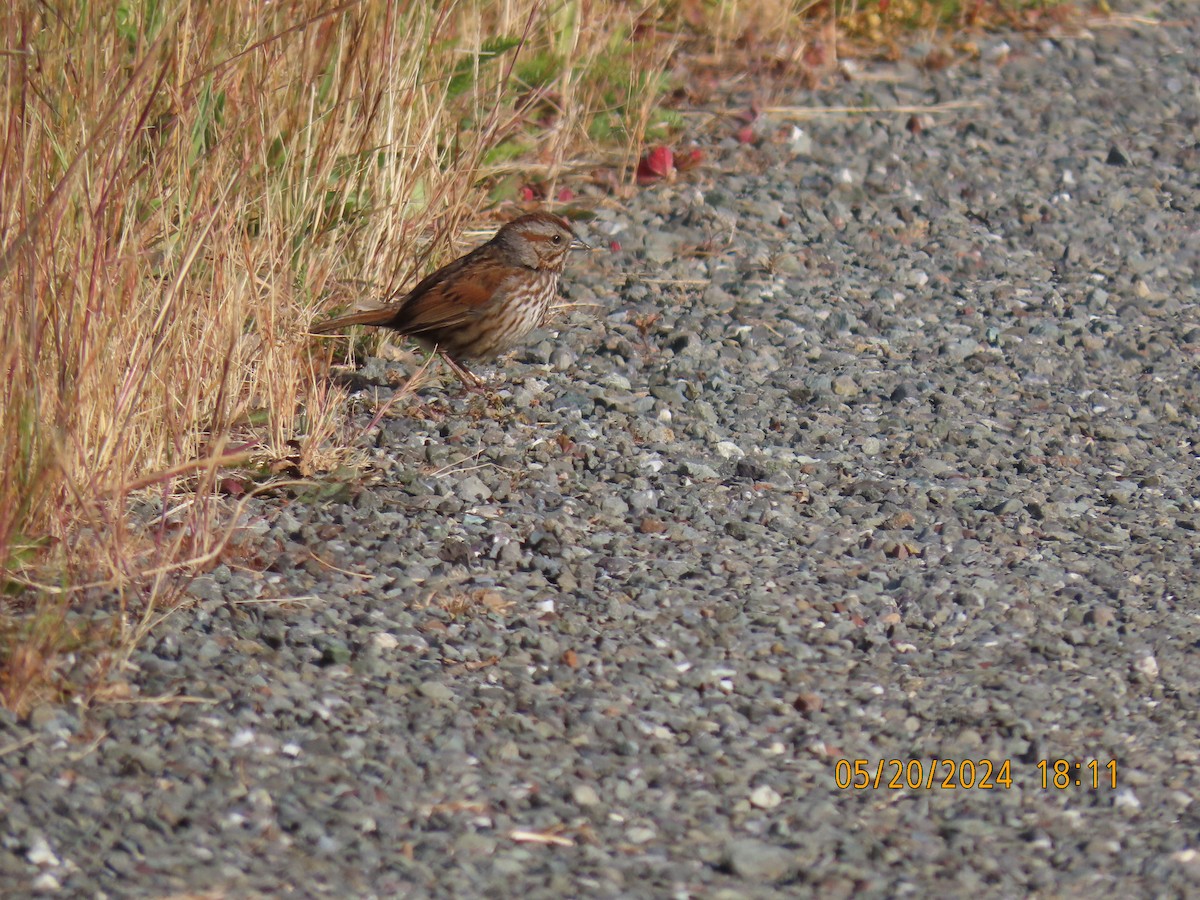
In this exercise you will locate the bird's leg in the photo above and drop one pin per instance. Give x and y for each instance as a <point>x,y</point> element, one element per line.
<point>465,375</point>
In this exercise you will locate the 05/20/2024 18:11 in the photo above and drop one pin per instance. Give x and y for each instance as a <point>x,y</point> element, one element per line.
<point>966,774</point>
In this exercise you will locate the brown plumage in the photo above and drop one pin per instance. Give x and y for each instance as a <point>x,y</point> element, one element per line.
<point>481,304</point>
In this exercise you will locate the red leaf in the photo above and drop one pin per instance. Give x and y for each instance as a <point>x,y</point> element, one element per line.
<point>658,163</point>
<point>614,246</point>
<point>528,193</point>
<point>233,487</point>
<point>746,135</point>
<point>660,160</point>
<point>566,195</point>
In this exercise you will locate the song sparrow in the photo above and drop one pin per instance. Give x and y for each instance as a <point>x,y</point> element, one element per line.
<point>481,304</point>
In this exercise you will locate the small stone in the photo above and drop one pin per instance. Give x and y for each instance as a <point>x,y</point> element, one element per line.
<point>1147,667</point>
<point>472,489</point>
<point>208,651</point>
<point>539,352</point>
<point>661,247</point>
<point>660,434</point>
<point>765,797</point>
<point>508,751</point>
<point>769,674</point>
<point>698,471</point>
<point>43,716</point>
<point>205,587</point>
<point>845,386</point>
<point>562,359</point>
<point>640,834</point>
<point>46,883</point>
<point>808,702</point>
<point>40,854</point>
<point>384,640</point>
<point>336,653</point>
<point>788,264</point>
<point>758,861</point>
<point>729,450</point>
<point>614,507</point>
<point>641,501</point>
<point>435,691</point>
<point>901,519</point>
<point>585,795</point>
<point>704,411</point>
<point>474,844</point>
<point>800,142</point>
<point>1127,799</point>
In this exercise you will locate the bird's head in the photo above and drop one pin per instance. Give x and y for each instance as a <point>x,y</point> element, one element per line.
<point>538,241</point>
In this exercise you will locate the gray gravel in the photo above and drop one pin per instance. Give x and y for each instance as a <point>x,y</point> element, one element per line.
<point>881,448</point>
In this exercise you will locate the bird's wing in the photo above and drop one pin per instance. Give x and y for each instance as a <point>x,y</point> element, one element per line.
<point>451,296</point>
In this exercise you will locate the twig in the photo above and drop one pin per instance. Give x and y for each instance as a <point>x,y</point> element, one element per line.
<point>813,112</point>
<point>302,599</point>
<point>333,568</point>
<point>807,112</point>
<point>449,467</point>
<point>540,837</point>
<point>165,700</point>
<point>17,745</point>
<point>408,388</point>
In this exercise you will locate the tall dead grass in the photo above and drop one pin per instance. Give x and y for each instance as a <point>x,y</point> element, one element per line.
<point>182,186</point>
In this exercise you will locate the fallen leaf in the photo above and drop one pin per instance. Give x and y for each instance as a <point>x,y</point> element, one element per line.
<point>233,487</point>
<point>659,162</point>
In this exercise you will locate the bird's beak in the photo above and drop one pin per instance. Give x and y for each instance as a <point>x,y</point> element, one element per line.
<point>578,243</point>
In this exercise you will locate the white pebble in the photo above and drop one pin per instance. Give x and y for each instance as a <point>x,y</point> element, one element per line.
<point>385,640</point>
<point>765,797</point>
<point>1147,666</point>
<point>40,853</point>
<point>730,450</point>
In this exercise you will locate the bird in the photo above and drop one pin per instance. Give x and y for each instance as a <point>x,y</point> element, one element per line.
<point>483,303</point>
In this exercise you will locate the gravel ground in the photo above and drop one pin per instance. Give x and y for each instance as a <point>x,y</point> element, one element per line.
<point>881,448</point>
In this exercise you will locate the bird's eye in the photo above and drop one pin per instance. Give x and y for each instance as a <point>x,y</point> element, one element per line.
<point>557,239</point>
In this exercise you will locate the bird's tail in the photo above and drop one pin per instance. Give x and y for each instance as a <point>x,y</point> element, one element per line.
<point>362,317</point>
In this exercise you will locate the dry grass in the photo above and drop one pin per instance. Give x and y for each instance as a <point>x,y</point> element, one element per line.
<point>183,187</point>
